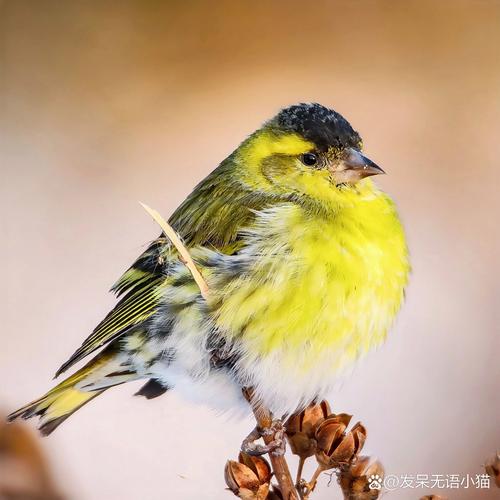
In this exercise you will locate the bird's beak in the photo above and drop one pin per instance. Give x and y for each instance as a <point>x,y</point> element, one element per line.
<point>358,164</point>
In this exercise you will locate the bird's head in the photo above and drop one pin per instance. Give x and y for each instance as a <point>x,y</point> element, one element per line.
<point>306,149</point>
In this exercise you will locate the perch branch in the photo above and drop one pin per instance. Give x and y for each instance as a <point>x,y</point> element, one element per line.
<point>309,487</point>
<point>300,469</point>
<point>280,467</point>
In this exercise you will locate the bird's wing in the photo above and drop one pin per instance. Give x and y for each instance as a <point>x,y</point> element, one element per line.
<point>212,216</point>
<point>140,289</point>
<point>217,209</point>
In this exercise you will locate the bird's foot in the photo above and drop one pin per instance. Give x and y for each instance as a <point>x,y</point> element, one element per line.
<point>276,445</point>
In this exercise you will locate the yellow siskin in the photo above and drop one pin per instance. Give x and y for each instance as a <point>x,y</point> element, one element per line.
<point>306,262</point>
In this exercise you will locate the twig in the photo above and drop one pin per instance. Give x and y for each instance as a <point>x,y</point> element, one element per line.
<point>280,467</point>
<point>300,468</point>
<point>309,487</point>
<point>183,251</point>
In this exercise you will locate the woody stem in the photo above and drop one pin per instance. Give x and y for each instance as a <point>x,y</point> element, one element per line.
<point>280,467</point>
<point>300,469</point>
<point>312,483</point>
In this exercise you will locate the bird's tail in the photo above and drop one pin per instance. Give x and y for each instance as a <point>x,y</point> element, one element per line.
<point>103,371</point>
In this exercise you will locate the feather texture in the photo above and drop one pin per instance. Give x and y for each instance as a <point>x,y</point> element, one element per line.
<point>306,274</point>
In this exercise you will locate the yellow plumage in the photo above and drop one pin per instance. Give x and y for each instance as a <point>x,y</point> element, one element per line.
<point>60,402</point>
<point>306,261</point>
<point>340,283</point>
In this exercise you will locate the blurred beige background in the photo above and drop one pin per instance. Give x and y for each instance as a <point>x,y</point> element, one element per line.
<point>104,103</point>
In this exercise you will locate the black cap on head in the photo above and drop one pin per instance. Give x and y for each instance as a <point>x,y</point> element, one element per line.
<point>322,126</point>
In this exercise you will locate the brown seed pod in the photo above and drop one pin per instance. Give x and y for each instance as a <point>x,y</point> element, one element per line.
<point>249,478</point>
<point>259,465</point>
<point>362,480</point>
<point>335,446</point>
<point>238,476</point>
<point>301,428</point>
<point>492,467</point>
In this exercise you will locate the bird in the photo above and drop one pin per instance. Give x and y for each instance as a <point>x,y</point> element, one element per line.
<point>306,263</point>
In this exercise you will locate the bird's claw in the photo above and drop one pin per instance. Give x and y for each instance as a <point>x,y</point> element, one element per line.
<point>277,446</point>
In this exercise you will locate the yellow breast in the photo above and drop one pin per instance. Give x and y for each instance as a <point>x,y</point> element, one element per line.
<point>319,283</point>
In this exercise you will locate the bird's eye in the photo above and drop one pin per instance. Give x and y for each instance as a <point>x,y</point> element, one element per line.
<point>309,159</point>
